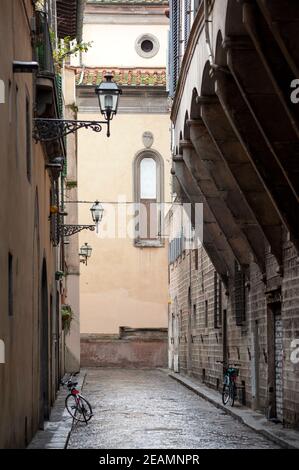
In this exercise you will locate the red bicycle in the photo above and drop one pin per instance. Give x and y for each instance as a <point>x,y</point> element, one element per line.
<point>78,407</point>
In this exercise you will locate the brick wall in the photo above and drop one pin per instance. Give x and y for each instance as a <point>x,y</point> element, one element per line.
<point>133,347</point>
<point>192,284</point>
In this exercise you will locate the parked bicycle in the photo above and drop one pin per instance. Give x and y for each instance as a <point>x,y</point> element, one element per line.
<point>229,391</point>
<point>78,407</point>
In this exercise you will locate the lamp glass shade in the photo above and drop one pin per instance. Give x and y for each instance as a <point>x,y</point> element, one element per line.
<point>97,212</point>
<point>86,250</point>
<point>108,94</point>
<point>89,251</point>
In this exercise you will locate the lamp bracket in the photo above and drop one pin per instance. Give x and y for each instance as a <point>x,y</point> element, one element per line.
<point>69,230</point>
<point>47,130</point>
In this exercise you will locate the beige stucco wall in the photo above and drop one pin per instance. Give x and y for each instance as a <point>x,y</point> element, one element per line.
<point>25,233</point>
<point>122,285</point>
<point>72,291</point>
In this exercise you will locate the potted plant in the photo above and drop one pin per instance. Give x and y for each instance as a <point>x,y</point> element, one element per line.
<point>67,316</point>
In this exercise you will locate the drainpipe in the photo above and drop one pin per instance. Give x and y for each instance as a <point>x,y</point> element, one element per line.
<point>80,16</point>
<point>207,32</point>
<point>82,73</point>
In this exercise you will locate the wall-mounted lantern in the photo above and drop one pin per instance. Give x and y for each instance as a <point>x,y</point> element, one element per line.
<point>47,130</point>
<point>97,213</point>
<point>108,94</point>
<point>85,253</point>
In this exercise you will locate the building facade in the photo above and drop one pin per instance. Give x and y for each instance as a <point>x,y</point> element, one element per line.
<point>236,297</point>
<point>124,287</point>
<point>32,243</point>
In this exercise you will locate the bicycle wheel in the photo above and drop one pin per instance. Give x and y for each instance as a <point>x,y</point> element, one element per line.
<point>78,407</point>
<point>232,393</point>
<point>225,394</point>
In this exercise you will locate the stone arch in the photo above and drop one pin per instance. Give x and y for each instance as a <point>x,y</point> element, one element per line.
<point>186,134</point>
<point>194,107</point>
<point>220,53</point>
<point>178,148</point>
<point>160,172</point>
<point>208,81</point>
<point>148,201</point>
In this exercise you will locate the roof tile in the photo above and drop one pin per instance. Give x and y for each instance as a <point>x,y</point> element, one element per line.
<point>122,76</point>
<point>133,2</point>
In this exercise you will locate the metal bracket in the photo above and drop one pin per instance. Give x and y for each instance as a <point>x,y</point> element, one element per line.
<point>69,230</point>
<point>47,130</point>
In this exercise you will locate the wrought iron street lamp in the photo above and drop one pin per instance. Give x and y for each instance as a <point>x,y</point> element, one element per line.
<point>97,213</point>
<point>47,130</point>
<point>108,95</point>
<point>85,252</point>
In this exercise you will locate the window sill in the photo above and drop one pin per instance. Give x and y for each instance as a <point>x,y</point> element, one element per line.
<point>149,243</point>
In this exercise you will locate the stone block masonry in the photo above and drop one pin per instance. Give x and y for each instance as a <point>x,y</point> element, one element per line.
<point>210,329</point>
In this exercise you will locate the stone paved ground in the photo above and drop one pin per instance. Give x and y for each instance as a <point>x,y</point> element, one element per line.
<point>136,409</point>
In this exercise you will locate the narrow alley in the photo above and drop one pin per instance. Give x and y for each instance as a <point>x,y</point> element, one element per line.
<point>135,409</point>
<point>149,255</point>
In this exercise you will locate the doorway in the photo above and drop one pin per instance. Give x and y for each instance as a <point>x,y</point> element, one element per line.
<point>176,341</point>
<point>44,407</point>
<point>57,342</point>
<point>275,360</point>
<point>174,337</point>
<point>278,350</point>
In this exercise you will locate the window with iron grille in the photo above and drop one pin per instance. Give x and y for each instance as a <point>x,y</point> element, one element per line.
<point>217,301</point>
<point>239,295</point>
<point>175,248</point>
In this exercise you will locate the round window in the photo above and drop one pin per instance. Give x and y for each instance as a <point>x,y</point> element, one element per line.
<point>147,46</point>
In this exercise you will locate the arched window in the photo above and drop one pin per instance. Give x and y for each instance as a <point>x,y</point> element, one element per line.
<point>148,194</point>
<point>148,178</point>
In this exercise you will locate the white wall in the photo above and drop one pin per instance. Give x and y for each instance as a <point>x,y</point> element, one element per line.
<point>114,45</point>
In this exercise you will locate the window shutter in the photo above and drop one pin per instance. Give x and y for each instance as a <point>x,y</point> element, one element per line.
<point>187,8</point>
<point>174,45</point>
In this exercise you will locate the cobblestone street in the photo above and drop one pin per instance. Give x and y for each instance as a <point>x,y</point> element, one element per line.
<point>146,409</point>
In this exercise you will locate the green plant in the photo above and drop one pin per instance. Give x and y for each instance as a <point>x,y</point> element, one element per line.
<point>66,316</point>
<point>67,48</point>
<point>71,184</point>
<point>74,107</point>
<point>59,275</point>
